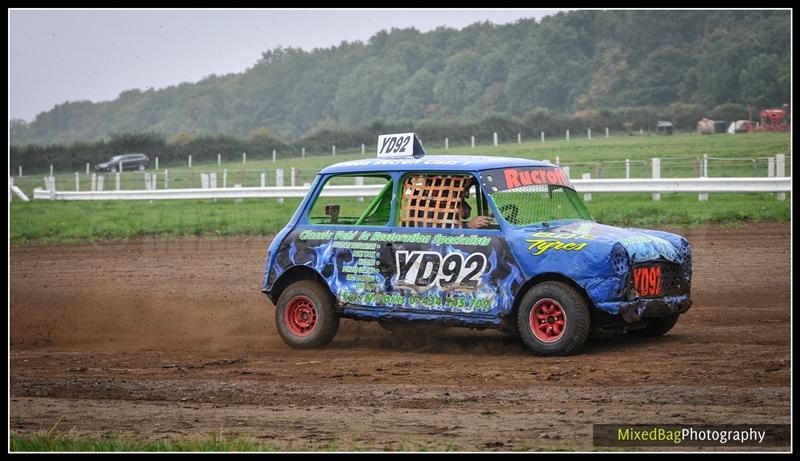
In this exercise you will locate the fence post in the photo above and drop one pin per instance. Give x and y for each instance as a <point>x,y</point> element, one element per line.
<point>51,186</point>
<point>219,159</point>
<point>20,171</point>
<point>558,160</point>
<point>263,180</point>
<point>780,171</point>
<point>363,150</point>
<point>190,161</point>
<point>225,178</point>
<point>627,168</point>
<point>587,197</point>
<point>279,181</point>
<point>589,133</point>
<point>519,138</point>
<point>51,169</point>
<point>703,197</point>
<point>117,179</point>
<point>542,136</point>
<point>87,169</point>
<point>212,180</point>
<point>156,163</point>
<point>446,143</point>
<point>567,135</point>
<point>303,152</point>
<point>77,182</point>
<point>292,176</point>
<point>359,182</point>
<point>94,182</point>
<point>154,182</point>
<point>656,175</point>
<point>244,158</point>
<point>494,138</point>
<point>166,178</point>
<point>203,180</point>
<point>566,170</point>
<point>472,141</point>
<point>274,152</point>
<point>333,151</point>
<point>148,179</point>
<point>606,132</point>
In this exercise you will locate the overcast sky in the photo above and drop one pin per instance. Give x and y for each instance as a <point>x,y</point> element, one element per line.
<point>58,56</point>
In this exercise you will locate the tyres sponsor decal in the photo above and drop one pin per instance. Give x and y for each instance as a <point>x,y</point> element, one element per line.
<point>540,242</point>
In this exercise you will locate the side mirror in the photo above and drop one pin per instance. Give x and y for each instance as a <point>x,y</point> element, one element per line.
<point>333,212</point>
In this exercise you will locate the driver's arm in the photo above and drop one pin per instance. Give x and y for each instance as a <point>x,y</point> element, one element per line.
<point>479,222</point>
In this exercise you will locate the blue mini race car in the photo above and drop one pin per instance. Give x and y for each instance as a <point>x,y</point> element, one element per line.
<point>482,242</point>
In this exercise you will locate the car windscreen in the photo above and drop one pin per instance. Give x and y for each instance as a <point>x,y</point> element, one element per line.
<point>526,196</point>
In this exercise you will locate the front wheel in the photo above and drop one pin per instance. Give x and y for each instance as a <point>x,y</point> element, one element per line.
<point>553,319</point>
<point>305,315</point>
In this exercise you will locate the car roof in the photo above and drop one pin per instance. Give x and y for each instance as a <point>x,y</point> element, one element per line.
<point>455,163</point>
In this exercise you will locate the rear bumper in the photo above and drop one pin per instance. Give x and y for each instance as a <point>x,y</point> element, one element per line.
<point>648,308</point>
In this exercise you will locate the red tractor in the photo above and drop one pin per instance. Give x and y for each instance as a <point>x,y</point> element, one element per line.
<point>773,120</point>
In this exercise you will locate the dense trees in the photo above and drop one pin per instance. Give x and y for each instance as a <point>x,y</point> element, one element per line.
<point>565,64</point>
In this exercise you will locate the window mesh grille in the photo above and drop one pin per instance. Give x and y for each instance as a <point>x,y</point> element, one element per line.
<point>539,203</point>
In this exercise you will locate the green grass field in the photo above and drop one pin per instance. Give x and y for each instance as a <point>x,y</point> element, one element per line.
<point>731,155</point>
<point>44,221</point>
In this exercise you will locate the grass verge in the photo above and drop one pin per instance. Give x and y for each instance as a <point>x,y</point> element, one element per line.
<point>44,221</point>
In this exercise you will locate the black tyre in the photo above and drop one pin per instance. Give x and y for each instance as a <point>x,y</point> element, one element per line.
<point>656,327</point>
<point>553,319</point>
<point>305,315</point>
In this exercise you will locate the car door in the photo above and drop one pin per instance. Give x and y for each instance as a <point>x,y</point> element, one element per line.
<point>334,237</point>
<point>441,267</point>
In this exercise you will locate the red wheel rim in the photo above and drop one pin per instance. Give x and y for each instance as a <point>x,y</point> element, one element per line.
<point>301,316</point>
<point>548,320</point>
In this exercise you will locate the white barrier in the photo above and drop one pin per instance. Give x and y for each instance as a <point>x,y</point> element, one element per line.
<point>694,185</point>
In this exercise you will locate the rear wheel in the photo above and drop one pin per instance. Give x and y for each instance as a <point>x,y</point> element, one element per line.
<point>553,319</point>
<point>657,327</point>
<point>305,315</point>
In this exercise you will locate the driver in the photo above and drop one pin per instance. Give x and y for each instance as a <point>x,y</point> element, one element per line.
<point>479,222</point>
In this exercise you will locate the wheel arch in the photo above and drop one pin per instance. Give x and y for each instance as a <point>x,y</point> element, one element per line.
<point>295,274</point>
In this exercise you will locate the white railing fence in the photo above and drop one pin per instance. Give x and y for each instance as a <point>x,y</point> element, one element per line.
<point>587,186</point>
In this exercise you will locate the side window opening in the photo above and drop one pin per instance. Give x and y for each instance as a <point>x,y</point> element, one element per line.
<point>373,209</point>
<point>435,200</point>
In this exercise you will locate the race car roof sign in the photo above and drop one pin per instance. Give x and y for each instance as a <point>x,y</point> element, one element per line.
<point>400,145</point>
<point>510,178</point>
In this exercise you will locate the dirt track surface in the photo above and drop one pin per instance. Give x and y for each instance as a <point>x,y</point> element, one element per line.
<point>156,339</point>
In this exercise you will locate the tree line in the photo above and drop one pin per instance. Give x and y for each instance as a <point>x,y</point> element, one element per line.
<point>259,143</point>
<point>566,64</point>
